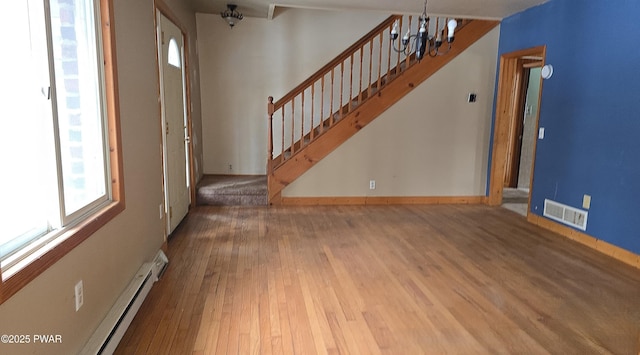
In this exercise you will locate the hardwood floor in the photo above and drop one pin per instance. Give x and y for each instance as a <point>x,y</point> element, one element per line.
<point>383,279</point>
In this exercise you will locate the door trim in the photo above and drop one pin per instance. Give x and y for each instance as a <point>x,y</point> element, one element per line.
<point>509,94</point>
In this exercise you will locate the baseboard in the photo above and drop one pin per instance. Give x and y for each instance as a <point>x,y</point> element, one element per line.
<point>613,251</point>
<point>383,200</point>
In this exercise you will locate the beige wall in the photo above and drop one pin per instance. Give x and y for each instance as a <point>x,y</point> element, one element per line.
<point>256,59</point>
<point>431,143</point>
<point>106,261</point>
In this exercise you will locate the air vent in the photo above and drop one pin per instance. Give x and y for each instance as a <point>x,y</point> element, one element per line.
<point>565,214</point>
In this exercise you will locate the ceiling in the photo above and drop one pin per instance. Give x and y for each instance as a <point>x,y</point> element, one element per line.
<point>485,9</point>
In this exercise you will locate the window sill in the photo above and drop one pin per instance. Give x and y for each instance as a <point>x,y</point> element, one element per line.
<point>48,251</point>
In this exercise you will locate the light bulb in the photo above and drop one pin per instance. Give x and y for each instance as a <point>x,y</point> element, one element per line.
<point>394,30</point>
<point>406,35</point>
<point>451,26</point>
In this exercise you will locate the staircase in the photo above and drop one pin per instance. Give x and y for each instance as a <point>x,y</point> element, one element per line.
<point>348,93</point>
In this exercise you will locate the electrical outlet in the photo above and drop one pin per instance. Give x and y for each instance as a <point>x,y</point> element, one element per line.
<point>372,184</point>
<point>230,167</point>
<point>541,133</point>
<point>79,292</point>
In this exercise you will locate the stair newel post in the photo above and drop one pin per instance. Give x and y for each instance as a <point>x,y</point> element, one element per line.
<point>270,110</point>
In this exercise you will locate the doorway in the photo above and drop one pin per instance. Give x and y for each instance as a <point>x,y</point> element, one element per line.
<point>175,121</point>
<point>520,175</point>
<point>515,196</point>
<point>516,124</point>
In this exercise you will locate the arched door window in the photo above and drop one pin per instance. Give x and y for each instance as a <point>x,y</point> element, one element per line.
<point>174,53</point>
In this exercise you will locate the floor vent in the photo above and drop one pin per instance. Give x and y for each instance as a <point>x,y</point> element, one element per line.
<point>565,214</point>
<point>109,333</point>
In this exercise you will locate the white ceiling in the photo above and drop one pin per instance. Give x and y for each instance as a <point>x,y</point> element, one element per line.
<point>485,9</point>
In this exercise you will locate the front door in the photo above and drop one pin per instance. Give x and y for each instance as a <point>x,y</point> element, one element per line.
<point>174,121</point>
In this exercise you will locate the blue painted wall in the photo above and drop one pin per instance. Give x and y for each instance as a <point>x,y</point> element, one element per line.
<point>590,110</point>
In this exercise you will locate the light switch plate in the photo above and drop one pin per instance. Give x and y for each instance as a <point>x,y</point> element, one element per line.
<point>586,201</point>
<point>541,133</point>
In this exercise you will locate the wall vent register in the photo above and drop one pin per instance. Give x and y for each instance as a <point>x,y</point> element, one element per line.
<point>565,214</point>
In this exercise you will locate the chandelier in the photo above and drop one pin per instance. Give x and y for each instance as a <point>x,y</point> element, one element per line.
<point>231,15</point>
<point>421,41</point>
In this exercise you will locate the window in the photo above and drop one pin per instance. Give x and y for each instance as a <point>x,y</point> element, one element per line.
<point>173,57</point>
<point>59,144</point>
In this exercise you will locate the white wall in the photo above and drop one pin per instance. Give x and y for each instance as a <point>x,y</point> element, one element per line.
<point>107,260</point>
<point>242,66</point>
<point>431,143</point>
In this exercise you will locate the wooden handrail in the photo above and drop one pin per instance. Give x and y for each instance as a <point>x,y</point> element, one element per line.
<point>332,64</point>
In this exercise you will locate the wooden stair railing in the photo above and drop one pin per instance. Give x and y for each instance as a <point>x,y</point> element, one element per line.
<point>340,89</point>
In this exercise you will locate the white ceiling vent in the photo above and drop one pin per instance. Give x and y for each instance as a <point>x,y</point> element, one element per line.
<point>565,214</point>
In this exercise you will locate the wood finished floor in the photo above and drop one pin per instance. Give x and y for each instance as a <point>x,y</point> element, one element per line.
<point>383,279</point>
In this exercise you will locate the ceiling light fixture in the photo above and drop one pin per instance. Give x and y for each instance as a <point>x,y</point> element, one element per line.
<point>421,41</point>
<point>231,15</point>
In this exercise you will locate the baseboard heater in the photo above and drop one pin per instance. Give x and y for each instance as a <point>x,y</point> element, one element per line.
<point>106,338</point>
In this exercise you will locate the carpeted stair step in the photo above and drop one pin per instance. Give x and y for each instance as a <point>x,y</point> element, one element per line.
<point>232,190</point>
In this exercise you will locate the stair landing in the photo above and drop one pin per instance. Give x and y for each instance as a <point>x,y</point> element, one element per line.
<point>232,190</point>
